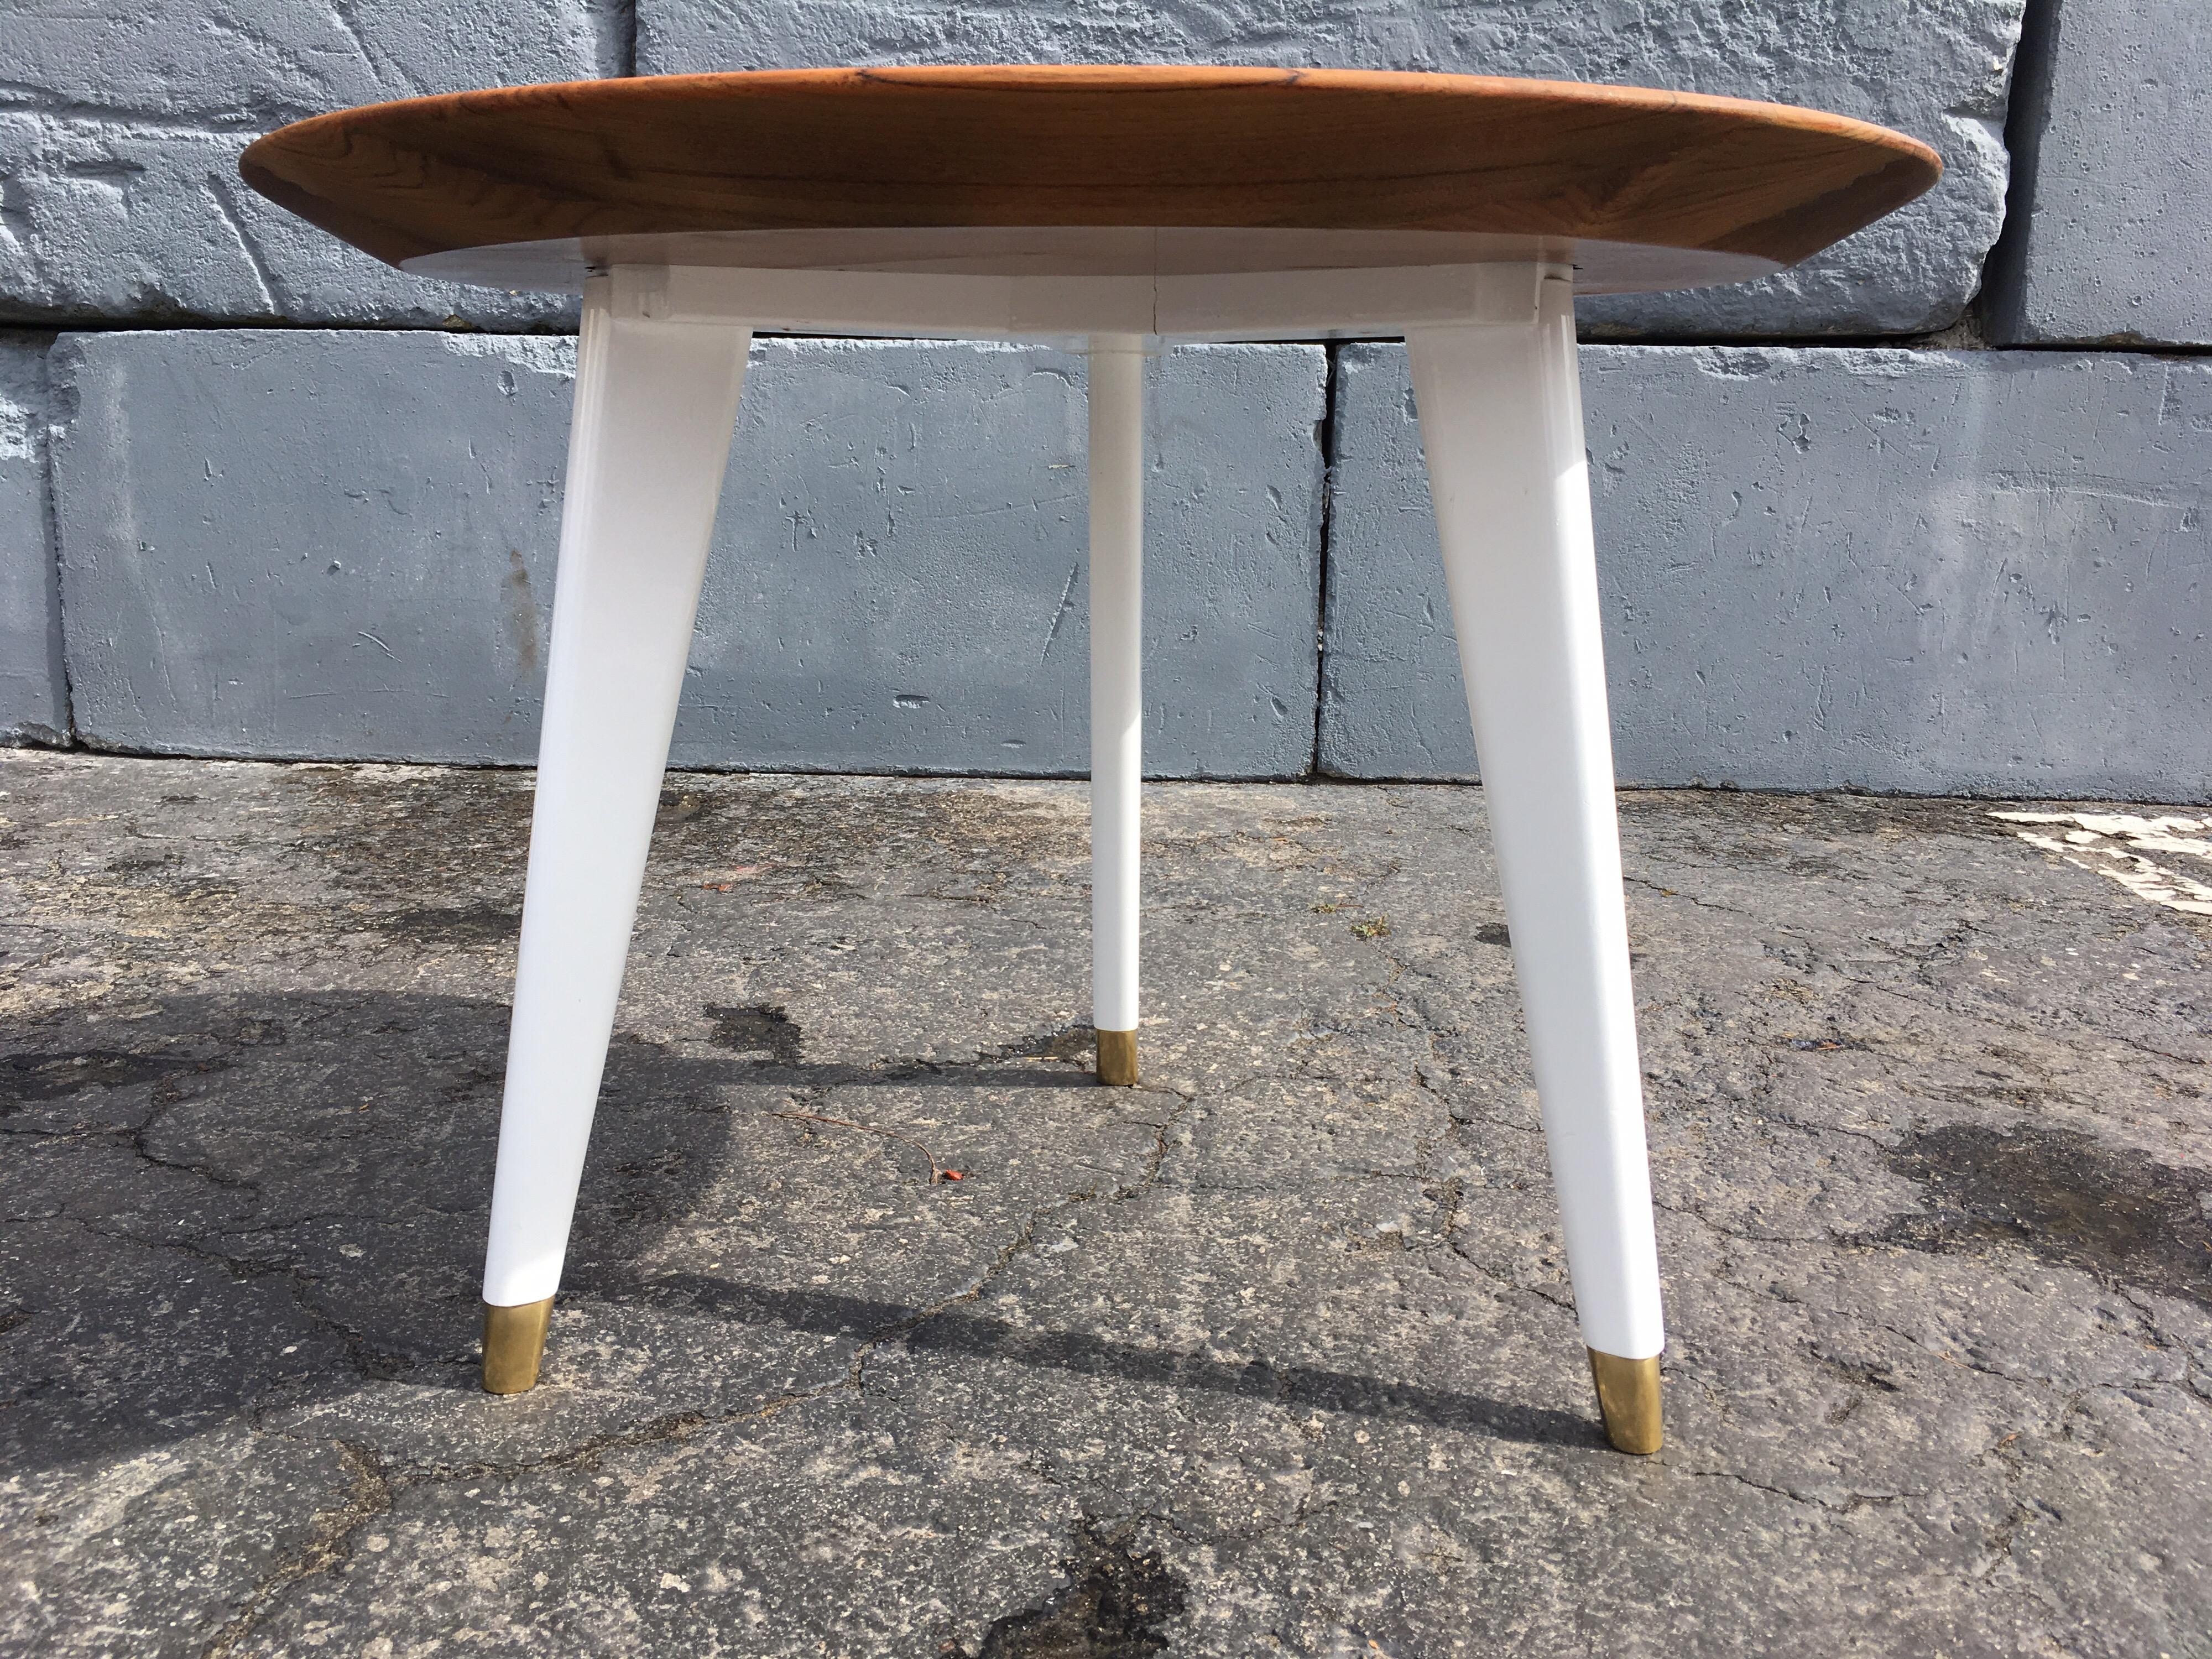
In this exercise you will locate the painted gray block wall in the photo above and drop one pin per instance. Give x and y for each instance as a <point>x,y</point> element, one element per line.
<point>900,575</point>
<point>1938,70</point>
<point>121,126</point>
<point>1932,572</point>
<point>340,545</point>
<point>299,542</point>
<point>33,696</point>
<point>2110,233</point>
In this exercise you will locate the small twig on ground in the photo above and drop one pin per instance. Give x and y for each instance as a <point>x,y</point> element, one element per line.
<point>936,1172</point>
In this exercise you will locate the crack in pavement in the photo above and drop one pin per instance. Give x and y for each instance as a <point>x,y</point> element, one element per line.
<point>370,1495</point>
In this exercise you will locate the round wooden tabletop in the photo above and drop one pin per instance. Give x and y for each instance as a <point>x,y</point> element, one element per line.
<point>1070,170</point>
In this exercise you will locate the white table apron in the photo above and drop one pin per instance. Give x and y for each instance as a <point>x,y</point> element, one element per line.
<point>660,364</point>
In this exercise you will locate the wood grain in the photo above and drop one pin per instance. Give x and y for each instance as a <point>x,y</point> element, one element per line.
<point>1334,150</point>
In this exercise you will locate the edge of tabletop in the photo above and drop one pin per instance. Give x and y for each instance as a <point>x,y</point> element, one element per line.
<point>1106,77</point>
<point>260,164</point>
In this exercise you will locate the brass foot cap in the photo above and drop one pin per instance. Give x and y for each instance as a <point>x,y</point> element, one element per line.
<point>1628,1399</point>
<point>514,1343</point>
<point>1117,1058</point>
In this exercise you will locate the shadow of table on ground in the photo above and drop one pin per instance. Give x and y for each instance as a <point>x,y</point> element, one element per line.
<point>231,1203</point>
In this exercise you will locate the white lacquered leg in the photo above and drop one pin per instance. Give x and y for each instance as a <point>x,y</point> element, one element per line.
<point>1117,606</point>
<point>1501,421</point>
<point>655,404</point>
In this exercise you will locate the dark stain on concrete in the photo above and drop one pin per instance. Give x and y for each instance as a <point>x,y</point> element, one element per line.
<point>2115,1213</point>
<point>761,1029</point>
<point>808,831</point>
<point>1115,1606</point>
<point>469,924</point>
<point>395,840</point>
<point>32,1078</point>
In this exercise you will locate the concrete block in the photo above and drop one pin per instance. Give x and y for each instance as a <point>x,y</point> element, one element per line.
<point>342,544</point>
<point>1979,572</point>
<point>899,581</point>
<point>34,694</point>
<point>299,542</point>
<point>120,135</point>
<point>2110,230</point>
<point>110,221</point>
<point>1936,70</point>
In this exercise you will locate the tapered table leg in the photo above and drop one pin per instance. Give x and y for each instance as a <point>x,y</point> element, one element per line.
<point>1117,605</point>
<point>655,406</point>
<point>1501,422</point>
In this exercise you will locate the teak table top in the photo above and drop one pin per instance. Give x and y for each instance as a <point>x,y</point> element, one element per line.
<point>1073,170</point>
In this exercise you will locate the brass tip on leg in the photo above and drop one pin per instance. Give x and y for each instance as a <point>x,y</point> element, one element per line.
<point>514,1343</point>
<point>1117,1058</point>
<point>1628,1399</point>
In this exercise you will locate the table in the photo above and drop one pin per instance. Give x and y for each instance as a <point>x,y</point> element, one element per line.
<point>1117,210</point>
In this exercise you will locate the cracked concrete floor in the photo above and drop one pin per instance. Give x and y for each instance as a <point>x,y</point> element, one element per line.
<point>1274,1355</point>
